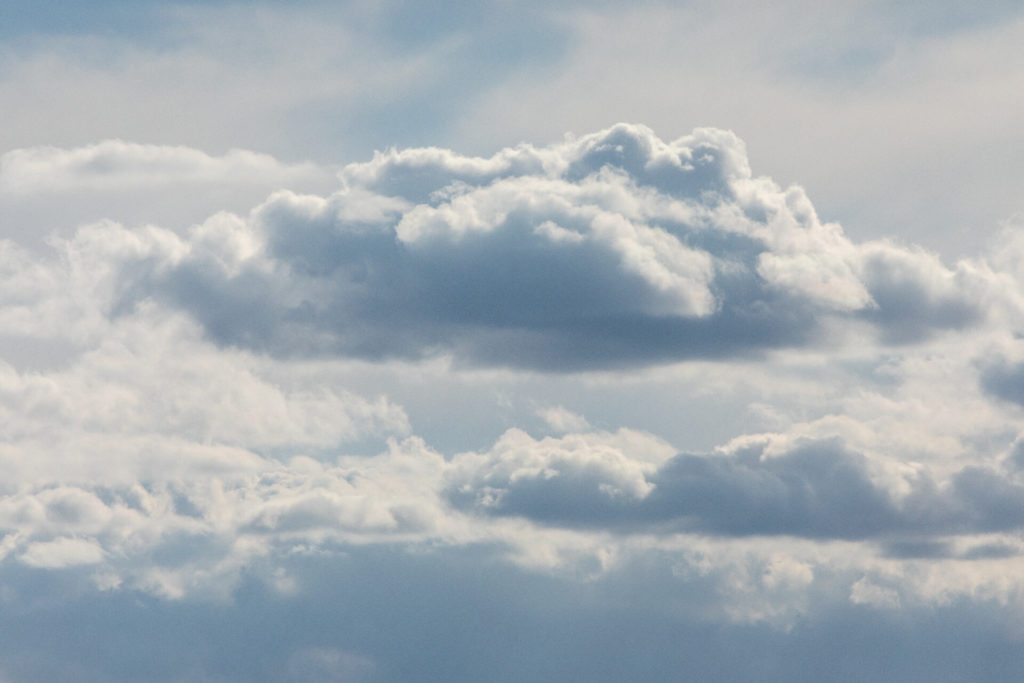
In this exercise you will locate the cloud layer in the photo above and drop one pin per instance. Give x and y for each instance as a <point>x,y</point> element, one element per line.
<point>228,419</point>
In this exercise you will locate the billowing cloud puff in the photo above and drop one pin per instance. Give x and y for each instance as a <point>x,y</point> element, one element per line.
<point>611,250</point>
<point>577,477</point>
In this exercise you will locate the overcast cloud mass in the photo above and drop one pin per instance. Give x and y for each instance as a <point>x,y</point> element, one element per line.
<point>369,342</point>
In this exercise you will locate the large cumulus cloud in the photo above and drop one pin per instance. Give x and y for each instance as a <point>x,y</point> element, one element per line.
<point>612,250</point>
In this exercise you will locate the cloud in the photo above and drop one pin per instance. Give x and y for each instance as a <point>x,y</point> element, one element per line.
<point>49,192</point>
<point>63,552</point>
<point>191,532</point>
<point>613,250</point>
<point>810,488</point>
<point>865,592</point>
<point>1004,379</point>
<point>156,380</point>
<point>561,419</point>
<point>916,294</point>
<point>118,165</point>
<point>584,478</point>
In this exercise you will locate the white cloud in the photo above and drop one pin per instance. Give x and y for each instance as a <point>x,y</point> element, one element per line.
<point>61,553</point>
<point>563,420</point>
<point>575,475</point>
<point>864,592</point>
<point>118,165</point>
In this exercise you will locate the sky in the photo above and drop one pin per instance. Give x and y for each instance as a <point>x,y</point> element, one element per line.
<point>494,341</point>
